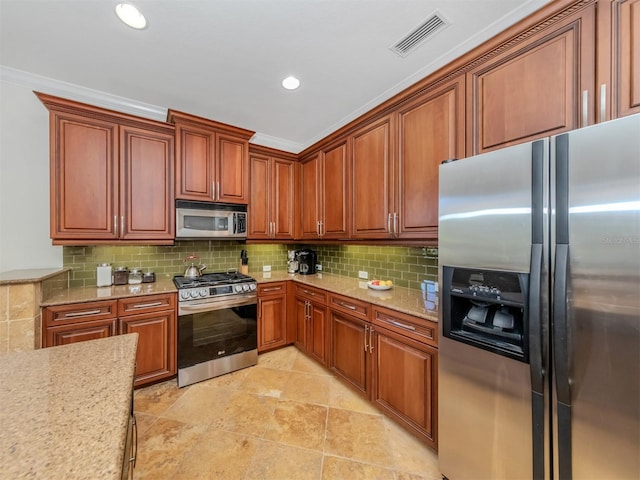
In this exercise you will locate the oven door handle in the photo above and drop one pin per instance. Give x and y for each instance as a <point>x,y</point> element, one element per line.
<point>217,305</point>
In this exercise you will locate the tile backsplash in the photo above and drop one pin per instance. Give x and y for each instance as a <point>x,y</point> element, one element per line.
<point>405,266</point>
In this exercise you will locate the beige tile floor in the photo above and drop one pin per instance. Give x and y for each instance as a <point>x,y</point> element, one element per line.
<point>285,418</point>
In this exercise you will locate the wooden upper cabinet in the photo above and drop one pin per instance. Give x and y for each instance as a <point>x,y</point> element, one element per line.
<point>146,184</point>
<point>212,161</point>
<point>537,84</point>
<point>324,193</point>
<point>84,178</point>
<point>272,190</point>
<point>111,176</point>
<point>430,130</point>
<point>372,180</point>
<point>618,58</point>
<point>310,192</point>
<point>335,188</point>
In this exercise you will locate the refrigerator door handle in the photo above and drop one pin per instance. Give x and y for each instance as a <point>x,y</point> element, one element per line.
<point>536,362</point>
<point>561,360</point>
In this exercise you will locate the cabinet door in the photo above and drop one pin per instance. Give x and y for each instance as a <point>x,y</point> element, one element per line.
<point>309,214</point>
<point>543,84</point>
<point>335,193</point>
<point>272,322</point>
<point>349,355</point>
<point>156,355</point>
<point>259,224</point>
<point>195,149</point>
<point>371,165</point>
<point>282,185</point>
<point>84,170</point>
<point>79,332</point>
<point>626,57</point>
<point>430,130</point>
<point>317,340</point>
<point>409,394</point>
<point>302,323</point>
<point>146,185</point>
<point>232,171</point>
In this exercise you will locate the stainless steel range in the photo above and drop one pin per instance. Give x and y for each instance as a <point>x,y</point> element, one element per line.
<point>217,325</point>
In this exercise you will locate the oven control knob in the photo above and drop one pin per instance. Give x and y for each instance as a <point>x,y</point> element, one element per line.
<point>245,287</point>
<point>237,288</point>
<point>194,293</point>
<point>202,292</point>
<point>252,286</point>
<point>184,295</point>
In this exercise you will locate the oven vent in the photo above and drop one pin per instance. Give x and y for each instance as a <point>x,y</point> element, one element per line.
<point>429,27</point>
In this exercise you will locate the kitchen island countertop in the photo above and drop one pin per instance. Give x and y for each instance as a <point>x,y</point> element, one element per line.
<point>65,410</point>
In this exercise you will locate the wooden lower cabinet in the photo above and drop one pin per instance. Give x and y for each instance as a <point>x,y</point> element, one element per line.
<point>311,325</point>
<point>156,356</point>
<point>152,317</point>
<point>350,358</point>
<point>272,316</point>
<point>405,382</point>
<point>79,332</point>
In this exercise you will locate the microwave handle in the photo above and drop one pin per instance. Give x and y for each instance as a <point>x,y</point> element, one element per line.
<point>235,222</point>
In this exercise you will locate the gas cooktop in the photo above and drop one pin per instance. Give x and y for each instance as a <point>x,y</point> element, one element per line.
<point>211,280</point>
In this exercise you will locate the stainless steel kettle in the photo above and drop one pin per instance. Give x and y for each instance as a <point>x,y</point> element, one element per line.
<point>193,271</point>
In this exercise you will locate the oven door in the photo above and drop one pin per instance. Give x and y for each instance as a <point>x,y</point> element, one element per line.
<point>211,330</point>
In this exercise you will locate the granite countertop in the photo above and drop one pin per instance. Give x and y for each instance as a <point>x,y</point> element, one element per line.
<point>29,275</point>
<point>92,294</point>
<point>65,410</point>
<point>397,298</point>
<point>404,300</point>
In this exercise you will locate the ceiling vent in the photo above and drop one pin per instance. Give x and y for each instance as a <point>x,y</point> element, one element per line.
<point>435,23</point>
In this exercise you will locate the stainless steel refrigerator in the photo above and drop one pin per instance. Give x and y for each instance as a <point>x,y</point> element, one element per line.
<point>539,343</point>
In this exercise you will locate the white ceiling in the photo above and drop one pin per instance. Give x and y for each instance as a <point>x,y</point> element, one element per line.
<point>224,59</point>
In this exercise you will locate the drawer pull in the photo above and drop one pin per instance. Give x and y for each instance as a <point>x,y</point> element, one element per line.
<point>402,325</point>
<point>147,305</point>
<point>82,314</point>
<point>366,330</point>
<point>272,289</point>
<point>346,305</point>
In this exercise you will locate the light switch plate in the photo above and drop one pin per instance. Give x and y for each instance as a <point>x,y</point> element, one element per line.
<point>266,268</point>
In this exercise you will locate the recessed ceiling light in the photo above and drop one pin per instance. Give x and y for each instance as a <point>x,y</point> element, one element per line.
<point>291,83</point>
<point>131,15</point>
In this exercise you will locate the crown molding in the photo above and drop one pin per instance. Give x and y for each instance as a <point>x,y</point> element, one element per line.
<point>82,94</point>
<point>277,143</point>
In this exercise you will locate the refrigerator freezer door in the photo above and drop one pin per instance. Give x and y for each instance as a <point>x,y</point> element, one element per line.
<point>485,400</point>
<point>485,210</point>
<point>602,347</point>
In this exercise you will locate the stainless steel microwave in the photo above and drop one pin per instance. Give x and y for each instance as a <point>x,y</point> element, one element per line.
<point>205,220</point>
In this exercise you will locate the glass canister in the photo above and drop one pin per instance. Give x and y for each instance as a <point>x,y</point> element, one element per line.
<point>135,276</point>
<point>121,276</point>
<point>148,277</point>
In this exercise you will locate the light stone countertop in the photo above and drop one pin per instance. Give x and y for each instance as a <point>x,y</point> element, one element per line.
<point>29,275</point>
<point>402,299</point>
<point>405,300</point>
<point>92,294</point>
<point>64,410</point>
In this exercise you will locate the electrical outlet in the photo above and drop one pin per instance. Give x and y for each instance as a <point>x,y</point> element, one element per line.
<point>318,267</point>
<point>363,274</point>
<point>266,268</point>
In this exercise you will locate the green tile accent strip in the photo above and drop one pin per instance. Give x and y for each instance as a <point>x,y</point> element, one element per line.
<point>405,266</point>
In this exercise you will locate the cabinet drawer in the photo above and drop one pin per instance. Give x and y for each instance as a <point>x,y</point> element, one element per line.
<point>349,305</point>
<point>311,293</point>
<point>80,312</point>
<point>146,304</point>
<point>80,332</point>
<point>419,329</point>
<point>272,288</point>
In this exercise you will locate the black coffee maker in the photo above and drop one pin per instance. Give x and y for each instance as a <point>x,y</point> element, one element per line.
<point>306,262</point>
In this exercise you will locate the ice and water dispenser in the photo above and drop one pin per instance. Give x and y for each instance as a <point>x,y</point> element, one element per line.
<point>486,309</point>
